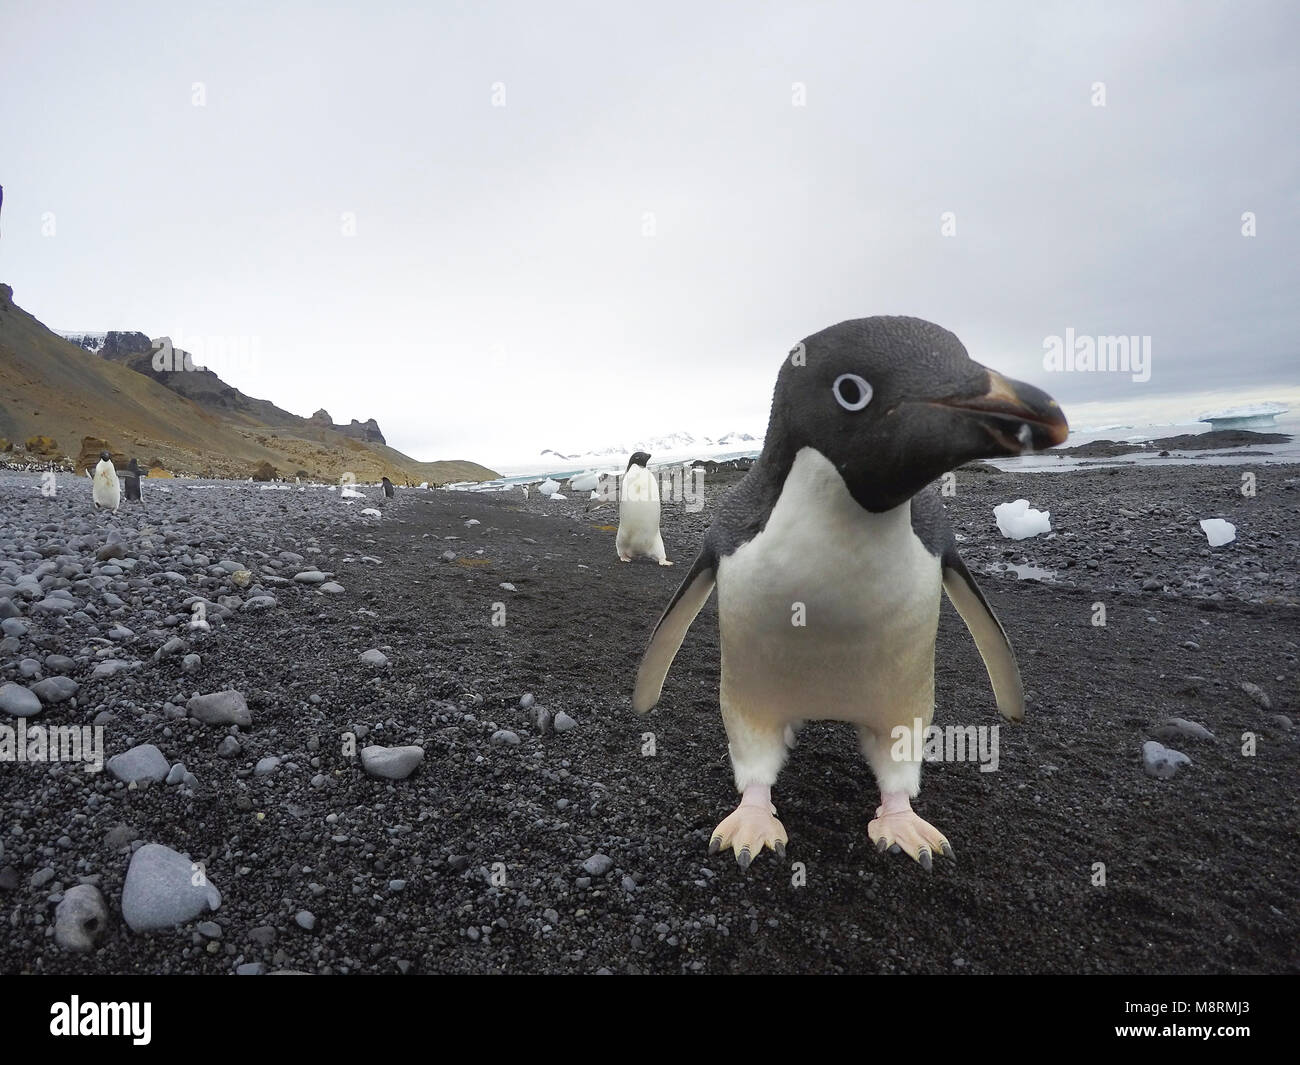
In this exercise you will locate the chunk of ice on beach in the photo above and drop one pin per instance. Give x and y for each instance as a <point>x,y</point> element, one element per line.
<point>370,512</point>
<point>1218,531</point>
<point>556,495</point>
<point>1017,521</point>
<point>584,482</point>
<point>549,487</point>
<point>348,492</point>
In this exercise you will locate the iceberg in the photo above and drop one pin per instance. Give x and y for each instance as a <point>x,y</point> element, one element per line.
<point>1253,416</point>
<point>549,487</point>
<point>1017,521</point>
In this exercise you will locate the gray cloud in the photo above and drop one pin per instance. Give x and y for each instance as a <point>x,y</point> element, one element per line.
<point>631,244</point>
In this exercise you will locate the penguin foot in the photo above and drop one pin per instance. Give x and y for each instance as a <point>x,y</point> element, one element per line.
<point>747,830</point>
<point>896,828</point>
<point>664,562</point>
<point>624,558</point>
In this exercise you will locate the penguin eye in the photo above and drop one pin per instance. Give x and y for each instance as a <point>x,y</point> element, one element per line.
<point>851,391</point>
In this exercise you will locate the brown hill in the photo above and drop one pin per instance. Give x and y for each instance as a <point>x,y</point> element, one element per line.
<point>192,421</point>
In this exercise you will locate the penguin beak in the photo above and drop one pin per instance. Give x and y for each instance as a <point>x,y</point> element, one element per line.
<point>1018,416</point>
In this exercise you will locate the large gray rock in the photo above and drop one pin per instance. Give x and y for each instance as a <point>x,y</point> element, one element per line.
<point>144,762</point>
<point>391,763</point>
<point>81,919</point>
<point>19,701</point>
<point>53,690</point>
<point>164,889</point>
<point>220,708</point>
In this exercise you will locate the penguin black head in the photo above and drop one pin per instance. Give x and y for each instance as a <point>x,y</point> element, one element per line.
<point>895,402</point>
<point>105,456</point>
<point>640,458</point>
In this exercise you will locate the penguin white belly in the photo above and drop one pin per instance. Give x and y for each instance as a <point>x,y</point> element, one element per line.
<point>638,515</point>
<point>867,592</point>
<point>106,491</point>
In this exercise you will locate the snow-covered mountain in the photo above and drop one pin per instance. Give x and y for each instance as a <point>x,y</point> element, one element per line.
<point>670,447</point>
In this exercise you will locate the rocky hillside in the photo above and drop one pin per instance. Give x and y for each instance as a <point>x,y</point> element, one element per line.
<point>106,386</point>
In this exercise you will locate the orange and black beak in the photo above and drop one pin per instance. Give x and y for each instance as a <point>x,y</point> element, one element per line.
<point>1019,417</point>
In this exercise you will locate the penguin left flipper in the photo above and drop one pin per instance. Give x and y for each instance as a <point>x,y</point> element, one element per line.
<point>687,602</point>
<point>990,638</point>
<point>931,525</point>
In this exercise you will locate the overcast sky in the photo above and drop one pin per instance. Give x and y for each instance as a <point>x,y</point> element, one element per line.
<point>672,195</point>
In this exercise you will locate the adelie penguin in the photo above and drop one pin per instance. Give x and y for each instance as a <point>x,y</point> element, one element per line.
<point>131,477</point>
<point>105,490</point>
<point>838,526</point>
<point>638,513</point>
<point>389,490</point>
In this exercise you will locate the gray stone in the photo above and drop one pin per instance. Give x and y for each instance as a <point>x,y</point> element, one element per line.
<point>1161,761</point>
<point>374,657</point>
<point>144,762</point>
<point>598,865</point>
<point>81,919</point>
<point>161,890</point>
<point>53,690</point>
<point>563,722</point>
<point>221,708</point>
<point>504,737</point>
<point>19,701</point>
<point>332,588</point>
<point>391,763</point>
<point>305,919</point>
<point>1258,694</point>
<point>1180,728</point>
<point>265,765</point>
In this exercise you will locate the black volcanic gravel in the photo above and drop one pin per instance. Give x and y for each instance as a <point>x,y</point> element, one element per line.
<point>488,858</point>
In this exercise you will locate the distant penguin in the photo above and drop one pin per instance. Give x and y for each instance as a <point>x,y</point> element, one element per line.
<point>105,489</point>
<point>389,490</point>
<point>638,513</point>
<point>829,557</point>
<point>132,476</point>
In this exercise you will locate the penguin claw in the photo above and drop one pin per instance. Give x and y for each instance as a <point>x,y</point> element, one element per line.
<point>746,831</point>
<point>901,831</point>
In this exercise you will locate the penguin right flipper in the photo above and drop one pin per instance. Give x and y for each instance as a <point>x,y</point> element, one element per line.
<point>990,638</point>
<point>689,599</point>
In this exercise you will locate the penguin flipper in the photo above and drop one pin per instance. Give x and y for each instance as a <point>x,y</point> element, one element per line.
<point>990,638</point>
<point>687,601</point>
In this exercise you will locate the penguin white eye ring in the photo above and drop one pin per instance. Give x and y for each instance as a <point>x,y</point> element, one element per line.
<point>856,396</point>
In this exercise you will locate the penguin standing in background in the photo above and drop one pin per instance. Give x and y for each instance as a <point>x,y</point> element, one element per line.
<point>638,513</point>
<point>105,490</point>
<point>132,476</point>
<point>389,490</point>
<point>829,557</point>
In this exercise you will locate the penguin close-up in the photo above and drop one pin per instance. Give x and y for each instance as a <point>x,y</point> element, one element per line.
<point>829,557</point>
<point>638,513</point>
<point>105,490</point>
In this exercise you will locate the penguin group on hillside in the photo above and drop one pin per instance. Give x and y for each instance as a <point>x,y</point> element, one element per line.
<point>829,557</point>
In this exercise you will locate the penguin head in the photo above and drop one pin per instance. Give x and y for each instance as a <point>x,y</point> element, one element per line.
<point>104,456</point>
<point>640,458</point>
<point>893,403</point>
